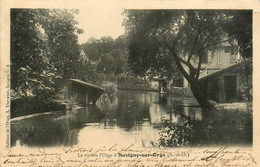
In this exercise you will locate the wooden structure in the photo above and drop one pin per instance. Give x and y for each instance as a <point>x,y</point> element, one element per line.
<point>86,93</point>
<point>225,85</point>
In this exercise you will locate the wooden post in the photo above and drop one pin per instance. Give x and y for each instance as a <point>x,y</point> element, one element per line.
<point>87,98</point>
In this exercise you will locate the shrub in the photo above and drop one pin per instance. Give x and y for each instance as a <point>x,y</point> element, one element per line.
<point>110,89</point>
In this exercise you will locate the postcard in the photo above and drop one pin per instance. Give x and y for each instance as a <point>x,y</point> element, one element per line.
<point>127,83</point>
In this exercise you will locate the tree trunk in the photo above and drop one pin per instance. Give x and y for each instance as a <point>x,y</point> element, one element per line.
<point>201,97</point>
<point>199,93</point>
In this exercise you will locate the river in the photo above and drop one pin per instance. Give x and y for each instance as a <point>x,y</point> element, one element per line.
<point>146,119</point>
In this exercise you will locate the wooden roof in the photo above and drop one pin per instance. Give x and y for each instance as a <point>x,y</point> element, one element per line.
<point>238,65</point>
<point>86,85</point>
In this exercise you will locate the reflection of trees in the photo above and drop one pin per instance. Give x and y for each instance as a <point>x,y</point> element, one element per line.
<point>163,99</point>
<point>219,128</point>
<point>129,117</point>
<point>126,120</point>
<point>48,130</point>
<point>132,107</point>
<point>43,131</point>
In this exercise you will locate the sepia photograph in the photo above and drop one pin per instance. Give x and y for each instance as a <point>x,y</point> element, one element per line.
<point>173,78</point>
<point>133,84</point>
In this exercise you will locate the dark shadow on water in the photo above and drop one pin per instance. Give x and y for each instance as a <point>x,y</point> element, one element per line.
<point>60,128</point>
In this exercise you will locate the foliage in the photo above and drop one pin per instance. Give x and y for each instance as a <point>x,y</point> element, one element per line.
<point>163,42</point>
<point>153,34</point>
<point>135,86</point>
<point>94,48</point>
<point>245,83</point>
<point>111,54</point>
<point>30,68</point>
<point>106,64</point>
<point>243,34</point>
<point>60,27</point>
<point>224,126</point>
<point>240,28</point>
<point>73,102</point>
<point>44,51</point>
<point>110,90</point>
<point>111,63</point>
<point>174,135</point>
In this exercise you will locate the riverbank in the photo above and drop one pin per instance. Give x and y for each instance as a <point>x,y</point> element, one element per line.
<point>31,105</point>
<point>136,87</point>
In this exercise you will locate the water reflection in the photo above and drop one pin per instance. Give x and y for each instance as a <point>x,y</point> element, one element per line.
<point>59,128</point>
<point>44,130</point>
<point>130,117</point>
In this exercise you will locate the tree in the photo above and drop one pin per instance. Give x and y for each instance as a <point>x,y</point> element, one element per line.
<point>181,36</point>
<point>106,64</point>
<point>107,44</point>
<point>241,32</point>
<point>110,53</point>
<point>44,50</point>
<point>92,49</point>
<point>60,28</point>
<point>120,54</point>
<point>29,62</point>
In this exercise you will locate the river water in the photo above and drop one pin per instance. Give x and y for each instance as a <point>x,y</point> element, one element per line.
<point>133,117</point>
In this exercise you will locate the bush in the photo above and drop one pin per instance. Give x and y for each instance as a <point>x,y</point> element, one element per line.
<point>110,89</point>
<point>174,135</point>
<point>221,127</point>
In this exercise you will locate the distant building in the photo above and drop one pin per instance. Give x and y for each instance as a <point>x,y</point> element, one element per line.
<point>226,85</point>
<point>220,75</point>
<point>215,60</point>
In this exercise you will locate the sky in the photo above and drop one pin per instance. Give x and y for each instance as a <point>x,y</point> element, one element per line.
<point>98,22</point>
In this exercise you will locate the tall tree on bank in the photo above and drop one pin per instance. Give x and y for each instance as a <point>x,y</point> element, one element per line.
<point>44,50</point>
<point>28,53</point>
<point>180,35</point>
<point>61,30</point>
